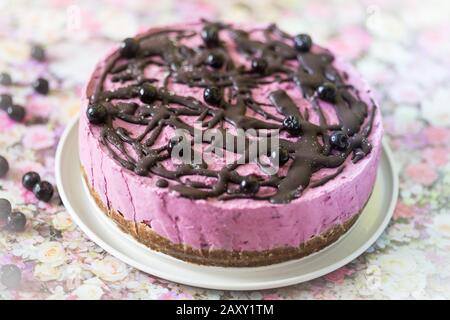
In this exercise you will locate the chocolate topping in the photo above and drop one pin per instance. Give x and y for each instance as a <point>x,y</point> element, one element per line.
<point>228,98</point>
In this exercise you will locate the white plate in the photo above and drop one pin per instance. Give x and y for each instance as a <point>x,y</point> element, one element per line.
<point>105,233</point>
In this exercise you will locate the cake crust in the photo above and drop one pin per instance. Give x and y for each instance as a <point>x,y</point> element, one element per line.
<point>217,257</point>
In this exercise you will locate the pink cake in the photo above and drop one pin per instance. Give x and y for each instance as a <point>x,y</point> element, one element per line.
<point>235,207</point>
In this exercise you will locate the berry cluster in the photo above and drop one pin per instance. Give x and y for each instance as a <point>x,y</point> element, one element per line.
<point>43,190</point>
<point>12,220</point>
<point>41,85</point>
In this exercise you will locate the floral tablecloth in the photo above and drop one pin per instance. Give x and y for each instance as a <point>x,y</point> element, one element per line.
<point>401,47</point>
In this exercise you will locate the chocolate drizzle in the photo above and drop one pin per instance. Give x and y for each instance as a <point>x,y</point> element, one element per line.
<point>309,151</point>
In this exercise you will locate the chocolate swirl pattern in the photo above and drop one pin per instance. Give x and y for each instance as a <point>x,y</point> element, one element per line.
<point>228,98</point>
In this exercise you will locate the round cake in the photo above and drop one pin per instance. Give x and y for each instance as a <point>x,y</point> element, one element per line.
<point>229,145</point>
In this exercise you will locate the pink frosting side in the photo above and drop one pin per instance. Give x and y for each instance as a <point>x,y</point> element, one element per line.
<point>238,224</point>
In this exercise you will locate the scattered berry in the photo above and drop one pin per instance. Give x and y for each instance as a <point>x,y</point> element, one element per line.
<point>292,125</point>
<point>147,93</point>
<point>5,79</point>
<point>339,140</point>
<point>4,166</point>
<point>16,222</point>
<point>210,36</point>
<point>302,42</point>
<point>327,92</point>
<point>38,53</point>
<point>129,48</point>
<point>43,190</point>
<point>5,101</point>
<point>10,276</point>
<point>5,211</point>
<point>96,113</point>
<point>215,60</point>
<point>30,179</point>
<point>250,184</point>
<point>40,85</point>
<point>212,96</point>
<point>16,112</point>
<point>259,65</point>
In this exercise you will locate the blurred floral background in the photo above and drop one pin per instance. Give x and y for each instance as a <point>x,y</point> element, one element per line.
<point>401,47</point>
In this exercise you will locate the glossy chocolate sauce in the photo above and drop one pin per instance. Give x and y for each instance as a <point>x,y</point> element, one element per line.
<point>309,151</point>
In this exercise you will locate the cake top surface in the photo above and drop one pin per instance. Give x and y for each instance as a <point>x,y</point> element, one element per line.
<point>216,111</point>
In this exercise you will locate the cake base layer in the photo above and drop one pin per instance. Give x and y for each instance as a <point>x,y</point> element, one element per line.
<point>217,257</point>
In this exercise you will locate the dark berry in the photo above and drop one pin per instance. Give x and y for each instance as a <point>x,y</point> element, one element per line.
<point>5,101</point>
<point>16,112</point>
<point>96,113</point>
<point>30,179</point>
<point>162,183</point>
<point>147,93</point>
<point>259,65</point>
<point>43,190</point>
<point>327,92</point>
<point>302,42</point>
<point>5,79</point>
<point>4,166</point>
<point>38,53</point>
<point>40,85</point>
<point>339,140</point>
<point>5,211</point>
<point>281,155</point>
<point>129,48</point>
<point>10,276</point>
<point>16,222</point>
<point>215,60</point>
<point>212,96</point>
<point>250,184</point>
<point>210,36</point>
<point>292,125</point>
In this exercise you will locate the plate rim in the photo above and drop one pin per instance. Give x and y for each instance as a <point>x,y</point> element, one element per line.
<point>260,285</point>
